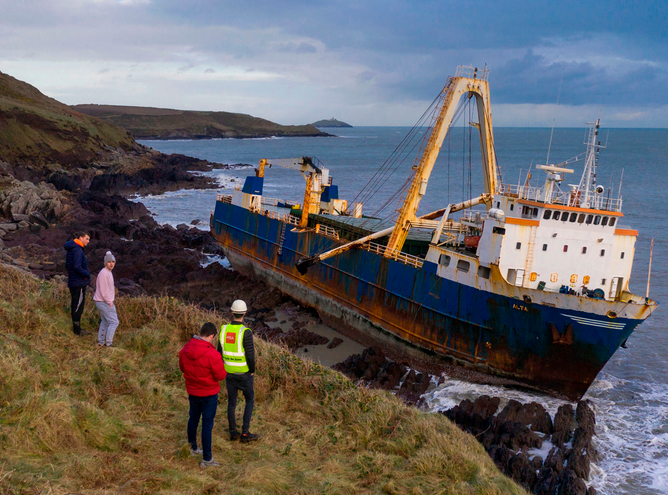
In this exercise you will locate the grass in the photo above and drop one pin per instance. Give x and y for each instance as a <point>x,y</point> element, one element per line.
<point>77,419</point>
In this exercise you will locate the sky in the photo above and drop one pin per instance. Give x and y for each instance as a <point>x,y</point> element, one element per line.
<point>365,62</point>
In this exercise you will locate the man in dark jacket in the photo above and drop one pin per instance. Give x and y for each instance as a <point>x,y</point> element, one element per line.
<point>202,368</point>
<point>78,277</point>
<point>238,351</point>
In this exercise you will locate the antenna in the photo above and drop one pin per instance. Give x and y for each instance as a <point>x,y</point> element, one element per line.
<point>547,160</point>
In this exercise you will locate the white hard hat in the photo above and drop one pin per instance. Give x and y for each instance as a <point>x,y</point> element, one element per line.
<point>239,307</point>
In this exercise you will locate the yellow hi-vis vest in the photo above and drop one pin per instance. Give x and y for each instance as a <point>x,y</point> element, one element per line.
<point>231,342</point>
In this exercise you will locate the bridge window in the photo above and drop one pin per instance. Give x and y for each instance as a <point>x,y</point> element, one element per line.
<point>581,218</point>
<point>518,245</point>
<point>602,252</point>
<point>604,222</point>
<point>544,247</point>
<point>528,212</point>
<point>565,248</point>
<point>590,218</point>
<point>484,272</point>
<point>463,266</point>
<point>556,215</point>
<point>612,221</point>
<point>574,217</point>
<point>444,260</point>
<point>564,216</point>
<point>584,249</point>
<point>546,215</point>
<point>597,219</point>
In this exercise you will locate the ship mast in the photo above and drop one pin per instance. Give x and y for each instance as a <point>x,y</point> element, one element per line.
<point>466,82</point>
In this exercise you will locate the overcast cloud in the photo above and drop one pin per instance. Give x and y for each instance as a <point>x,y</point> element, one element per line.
<point>364,62</point>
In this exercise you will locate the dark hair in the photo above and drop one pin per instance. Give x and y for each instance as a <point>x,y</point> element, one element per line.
<point>80,233</point>
<point>208,329</point>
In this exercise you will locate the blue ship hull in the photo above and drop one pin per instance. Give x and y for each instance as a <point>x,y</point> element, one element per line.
<point>540,346</point>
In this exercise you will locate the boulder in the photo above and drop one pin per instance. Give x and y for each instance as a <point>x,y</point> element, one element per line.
<point>336,341</point>
<point>37,218</point>
<point>571,484</point>
<point>18,218</point>
<point>8,227</point>
<point>564,424</point>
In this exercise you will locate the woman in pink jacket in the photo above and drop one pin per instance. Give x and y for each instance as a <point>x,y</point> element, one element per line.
<point>104,300</point>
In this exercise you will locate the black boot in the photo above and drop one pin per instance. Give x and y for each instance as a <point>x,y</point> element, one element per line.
<point>76,328</point>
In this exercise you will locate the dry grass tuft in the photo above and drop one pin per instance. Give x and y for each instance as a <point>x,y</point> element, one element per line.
<point>75,418</point>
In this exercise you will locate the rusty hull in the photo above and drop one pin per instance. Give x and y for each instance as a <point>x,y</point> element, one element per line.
<point>540,346</point>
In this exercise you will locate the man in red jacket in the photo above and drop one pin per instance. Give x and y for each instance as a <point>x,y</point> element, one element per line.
<point>202,368</point>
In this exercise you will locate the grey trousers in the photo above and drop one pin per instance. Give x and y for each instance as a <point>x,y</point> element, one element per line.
<point>105,336</point>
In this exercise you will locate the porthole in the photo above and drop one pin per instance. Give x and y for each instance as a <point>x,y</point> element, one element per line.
<point>444,260</point>
<point>544,247</point>
<point>565,248</point>
<point>518,245</point>
<point>584,249</point>
<point>602,252</point>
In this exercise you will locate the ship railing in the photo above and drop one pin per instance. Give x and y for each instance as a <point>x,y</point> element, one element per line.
<point>276,202</point>
<point>326,231</point>
<point>568,198</point>
<point>470,72</point>
<point>394,254</point>
<point>224,198</point>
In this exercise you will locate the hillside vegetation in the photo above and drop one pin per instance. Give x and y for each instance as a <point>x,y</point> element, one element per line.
<point>78,419</point>
<point>163,123</point>
<point>38,130</point>
<point>330,123</point>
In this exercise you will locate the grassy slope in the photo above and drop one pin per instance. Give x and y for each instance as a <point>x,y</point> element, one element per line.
<point>74,418</point>
<point>38,130</point>
<point>161,123</point>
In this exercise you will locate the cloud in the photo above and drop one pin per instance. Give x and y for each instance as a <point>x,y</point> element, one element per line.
<point>302,47</point>
<point>379,61</point>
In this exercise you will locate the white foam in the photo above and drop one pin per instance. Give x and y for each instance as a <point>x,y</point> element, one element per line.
<point>214,258</point>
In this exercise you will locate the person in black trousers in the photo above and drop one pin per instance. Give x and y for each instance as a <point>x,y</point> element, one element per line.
<point>78,277</point>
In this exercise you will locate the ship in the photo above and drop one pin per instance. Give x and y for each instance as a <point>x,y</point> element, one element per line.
<point>532,289</point>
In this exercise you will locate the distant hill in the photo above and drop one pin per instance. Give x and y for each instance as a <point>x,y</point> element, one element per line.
<point>330,123</point>
<point>163,123</point>
<point>38,130</point>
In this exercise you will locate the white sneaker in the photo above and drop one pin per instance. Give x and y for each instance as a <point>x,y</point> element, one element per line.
<point>210,463</point>
<point>195,451</point>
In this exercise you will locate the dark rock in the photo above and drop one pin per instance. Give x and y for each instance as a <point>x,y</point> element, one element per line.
<point>547,482</point>
<point>8,227</point>
<point>182,227</point>
<point>532,415</point>
<point>67,182</point>
<point>571,484</point>
<point>591,491</point>
<point>555,460</point>
<point>501,455</point>
<point>564,424</point>
<point>197,221</point>
<point>38,218</point>
<point>521,470</point>
<point>18,217</point>
<point>336,341</point>
<point>584,416</point>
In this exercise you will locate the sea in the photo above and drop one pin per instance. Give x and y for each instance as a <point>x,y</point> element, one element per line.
<point>630,395</point>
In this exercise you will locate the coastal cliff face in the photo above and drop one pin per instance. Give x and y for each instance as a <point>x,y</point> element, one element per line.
<point>37,130</point>
<point>163,123</point>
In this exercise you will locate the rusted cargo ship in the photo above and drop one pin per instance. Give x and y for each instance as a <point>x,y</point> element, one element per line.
<point>534,288</point>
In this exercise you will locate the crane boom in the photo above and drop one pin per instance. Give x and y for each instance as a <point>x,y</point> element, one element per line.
<point>456,87</point>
